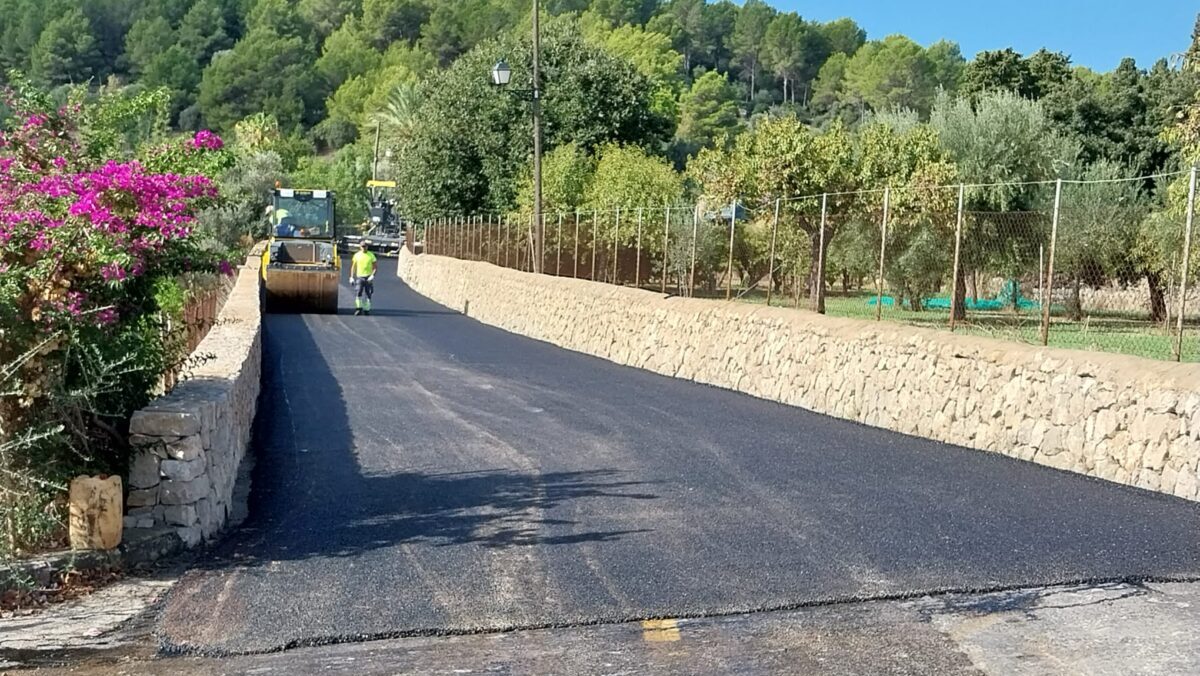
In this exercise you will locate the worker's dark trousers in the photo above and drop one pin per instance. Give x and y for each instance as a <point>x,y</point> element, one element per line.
<point>366,288</point>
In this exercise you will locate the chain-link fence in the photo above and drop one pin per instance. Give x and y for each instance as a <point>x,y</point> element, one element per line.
<point>1092,265</point>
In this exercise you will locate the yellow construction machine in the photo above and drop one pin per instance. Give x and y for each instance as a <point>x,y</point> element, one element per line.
<point>300,265</point>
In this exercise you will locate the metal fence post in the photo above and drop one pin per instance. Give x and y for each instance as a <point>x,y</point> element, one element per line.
<point>962,191</point>
<point>695,238</point>
<point>558,248</point>
<point>666,246</point>
<point>771,259</point>
<point>532,245</point>
<point>595,218</point>
<point>507,239</point>
<point>637,267</point>
<point>819,306</point>
<point>1187,254</point>
<point>616,249</point>
<point>1048,292</point>
<point>575,257</point>
<point>616,238</point>
<point>887,197</point>
<point>1041,268</point>
<point>732,230</point>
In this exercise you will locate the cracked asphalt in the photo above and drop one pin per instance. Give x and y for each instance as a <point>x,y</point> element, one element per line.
<point>419,474</point>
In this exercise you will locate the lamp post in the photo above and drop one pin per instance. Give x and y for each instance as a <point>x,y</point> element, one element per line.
<point>501,76</point>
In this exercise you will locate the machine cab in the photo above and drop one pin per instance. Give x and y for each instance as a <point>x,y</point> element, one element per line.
<point>302,227</point>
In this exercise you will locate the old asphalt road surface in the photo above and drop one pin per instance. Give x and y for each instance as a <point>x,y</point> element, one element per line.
<point>419,473</point>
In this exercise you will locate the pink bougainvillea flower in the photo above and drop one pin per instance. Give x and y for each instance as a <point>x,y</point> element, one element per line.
<point>226,268</point>
<point>107,316</point>
<point>207,140</point>
<point>112,272</point>
<point>40,242</point>
<point>75,301</point>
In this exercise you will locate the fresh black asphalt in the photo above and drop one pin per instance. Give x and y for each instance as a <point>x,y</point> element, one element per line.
<point>418,472</point>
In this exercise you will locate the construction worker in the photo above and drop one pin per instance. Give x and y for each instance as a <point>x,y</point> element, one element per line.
<point>362,277</point>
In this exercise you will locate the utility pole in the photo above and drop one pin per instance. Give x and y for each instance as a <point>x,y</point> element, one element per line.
<point>375,162</point>
<point>538,238</point>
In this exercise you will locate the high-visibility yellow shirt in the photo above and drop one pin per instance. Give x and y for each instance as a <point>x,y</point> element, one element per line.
<point>363,264</point>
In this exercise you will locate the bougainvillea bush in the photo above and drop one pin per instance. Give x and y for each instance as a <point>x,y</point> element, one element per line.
<point>91,251</point>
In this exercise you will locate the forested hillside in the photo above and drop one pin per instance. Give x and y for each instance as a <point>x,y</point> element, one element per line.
<point>667,76</point>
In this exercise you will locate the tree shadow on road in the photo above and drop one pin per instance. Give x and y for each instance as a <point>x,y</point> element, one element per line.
<point>310,497</point>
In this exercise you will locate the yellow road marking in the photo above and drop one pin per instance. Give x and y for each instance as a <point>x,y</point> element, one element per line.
<point>660,630</point>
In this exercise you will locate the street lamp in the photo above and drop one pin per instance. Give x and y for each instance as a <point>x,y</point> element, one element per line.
<point>501,73</point>
<point>501,76</point>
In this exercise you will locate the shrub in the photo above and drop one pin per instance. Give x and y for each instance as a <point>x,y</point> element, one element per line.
<point>90,254</point>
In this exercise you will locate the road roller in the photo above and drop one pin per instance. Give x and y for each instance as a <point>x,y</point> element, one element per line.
<point>300,265</point>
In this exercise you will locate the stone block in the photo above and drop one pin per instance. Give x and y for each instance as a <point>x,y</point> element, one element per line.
<point>143,498</point>
<point>143,471</point>
<point>180,515</point>
<point>132,522</point>
<point>1187,485</point>
<point>186,448</point>
<point>162,423</point>
<point>208,517</point>
<point>1155,456</point>
<point>151,442</point>
<point>1163,401</point>
<point>191,535</point>
<point>182,470</point>
<point>183,493</point>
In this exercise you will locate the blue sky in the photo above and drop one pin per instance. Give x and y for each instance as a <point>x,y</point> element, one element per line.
<point>1095,33</point>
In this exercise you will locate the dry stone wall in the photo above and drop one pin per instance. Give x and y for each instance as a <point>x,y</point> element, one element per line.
<point>190,443</point>
<point>1125,419</point>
